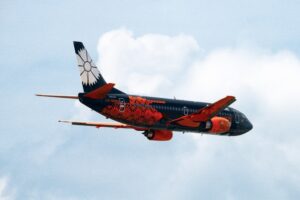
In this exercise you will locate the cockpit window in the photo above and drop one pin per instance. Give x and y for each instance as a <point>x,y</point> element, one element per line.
<point>243,117</point>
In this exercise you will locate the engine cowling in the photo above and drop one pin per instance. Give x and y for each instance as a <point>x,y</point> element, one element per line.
<point>219,125</point>
<point>158,135</point>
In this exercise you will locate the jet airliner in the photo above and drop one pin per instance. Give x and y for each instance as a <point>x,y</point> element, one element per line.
<point>156,118</point>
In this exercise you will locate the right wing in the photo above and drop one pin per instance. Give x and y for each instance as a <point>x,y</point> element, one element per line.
<point>104,124</point>
<point>204,114</point>
<point>213,109</point>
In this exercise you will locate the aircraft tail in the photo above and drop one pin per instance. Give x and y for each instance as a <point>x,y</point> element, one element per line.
<point>90,75</point>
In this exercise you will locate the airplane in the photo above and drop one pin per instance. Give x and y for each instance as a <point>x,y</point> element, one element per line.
<point>157,118</point>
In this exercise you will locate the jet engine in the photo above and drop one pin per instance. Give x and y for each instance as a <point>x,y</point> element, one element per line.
<point>158,135</point>
<point>218,125</point>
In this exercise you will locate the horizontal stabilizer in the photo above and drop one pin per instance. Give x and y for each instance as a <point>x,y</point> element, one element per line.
<point>57,96</point>
<point>103,124</point>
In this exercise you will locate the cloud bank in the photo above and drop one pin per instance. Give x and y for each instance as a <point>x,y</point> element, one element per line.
<point>262,163</point>
<point>5,193</point>
<point>84,163</point>
<point>146,64</point>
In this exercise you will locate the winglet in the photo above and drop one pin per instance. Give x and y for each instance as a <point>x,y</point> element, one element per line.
<point>101,92</point>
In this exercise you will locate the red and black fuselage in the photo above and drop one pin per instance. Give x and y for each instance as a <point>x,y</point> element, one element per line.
<point>156,113</point>
<point>156,117</point>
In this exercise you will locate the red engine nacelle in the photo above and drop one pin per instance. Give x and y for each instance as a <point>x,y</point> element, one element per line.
<point>219,125</point>
<point>159,135</point>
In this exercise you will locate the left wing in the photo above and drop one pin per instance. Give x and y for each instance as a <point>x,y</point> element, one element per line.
<point>104,124</point>
<point>205,113</point>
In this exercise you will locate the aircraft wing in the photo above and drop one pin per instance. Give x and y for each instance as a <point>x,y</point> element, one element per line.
<point>103,124</point>
<point>205,113</point>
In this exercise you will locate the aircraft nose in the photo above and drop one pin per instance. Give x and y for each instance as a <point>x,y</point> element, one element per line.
<point>243,127</point>
<point>248,126</point>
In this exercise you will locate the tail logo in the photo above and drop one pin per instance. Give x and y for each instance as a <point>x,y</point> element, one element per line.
<point>88,71</point>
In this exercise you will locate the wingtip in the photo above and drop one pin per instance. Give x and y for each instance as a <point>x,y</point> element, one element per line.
<point>39,95</point>
<point>64,121</point>
<point>231,97</point>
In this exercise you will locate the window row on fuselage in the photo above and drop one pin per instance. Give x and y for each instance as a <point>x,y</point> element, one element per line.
<point>168,107</point>
<point>224,114</point>
<point>180,109</point>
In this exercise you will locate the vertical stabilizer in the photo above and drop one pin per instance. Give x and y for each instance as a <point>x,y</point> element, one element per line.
<point>91,77</point>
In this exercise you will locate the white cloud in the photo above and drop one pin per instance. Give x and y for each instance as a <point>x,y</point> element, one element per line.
<point>81,112</point>
<point>273,78</point>
<point>144,64</point>
<point>261,164</point>
<point>5,193</point>
<point>160,64</point>
<point>265,84</point>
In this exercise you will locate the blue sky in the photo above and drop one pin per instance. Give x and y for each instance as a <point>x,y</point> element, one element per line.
<point>200,50</point>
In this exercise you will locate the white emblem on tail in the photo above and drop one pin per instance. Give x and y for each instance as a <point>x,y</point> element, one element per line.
<point>88,71</point>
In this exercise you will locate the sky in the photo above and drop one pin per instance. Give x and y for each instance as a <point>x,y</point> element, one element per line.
<point>194,50</point>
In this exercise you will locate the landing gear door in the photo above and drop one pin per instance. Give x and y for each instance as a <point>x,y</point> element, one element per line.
<point>122,105</point>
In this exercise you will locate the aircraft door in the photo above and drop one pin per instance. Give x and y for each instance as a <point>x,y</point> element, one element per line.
<point>185,110</point>
<point>122,105</point>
